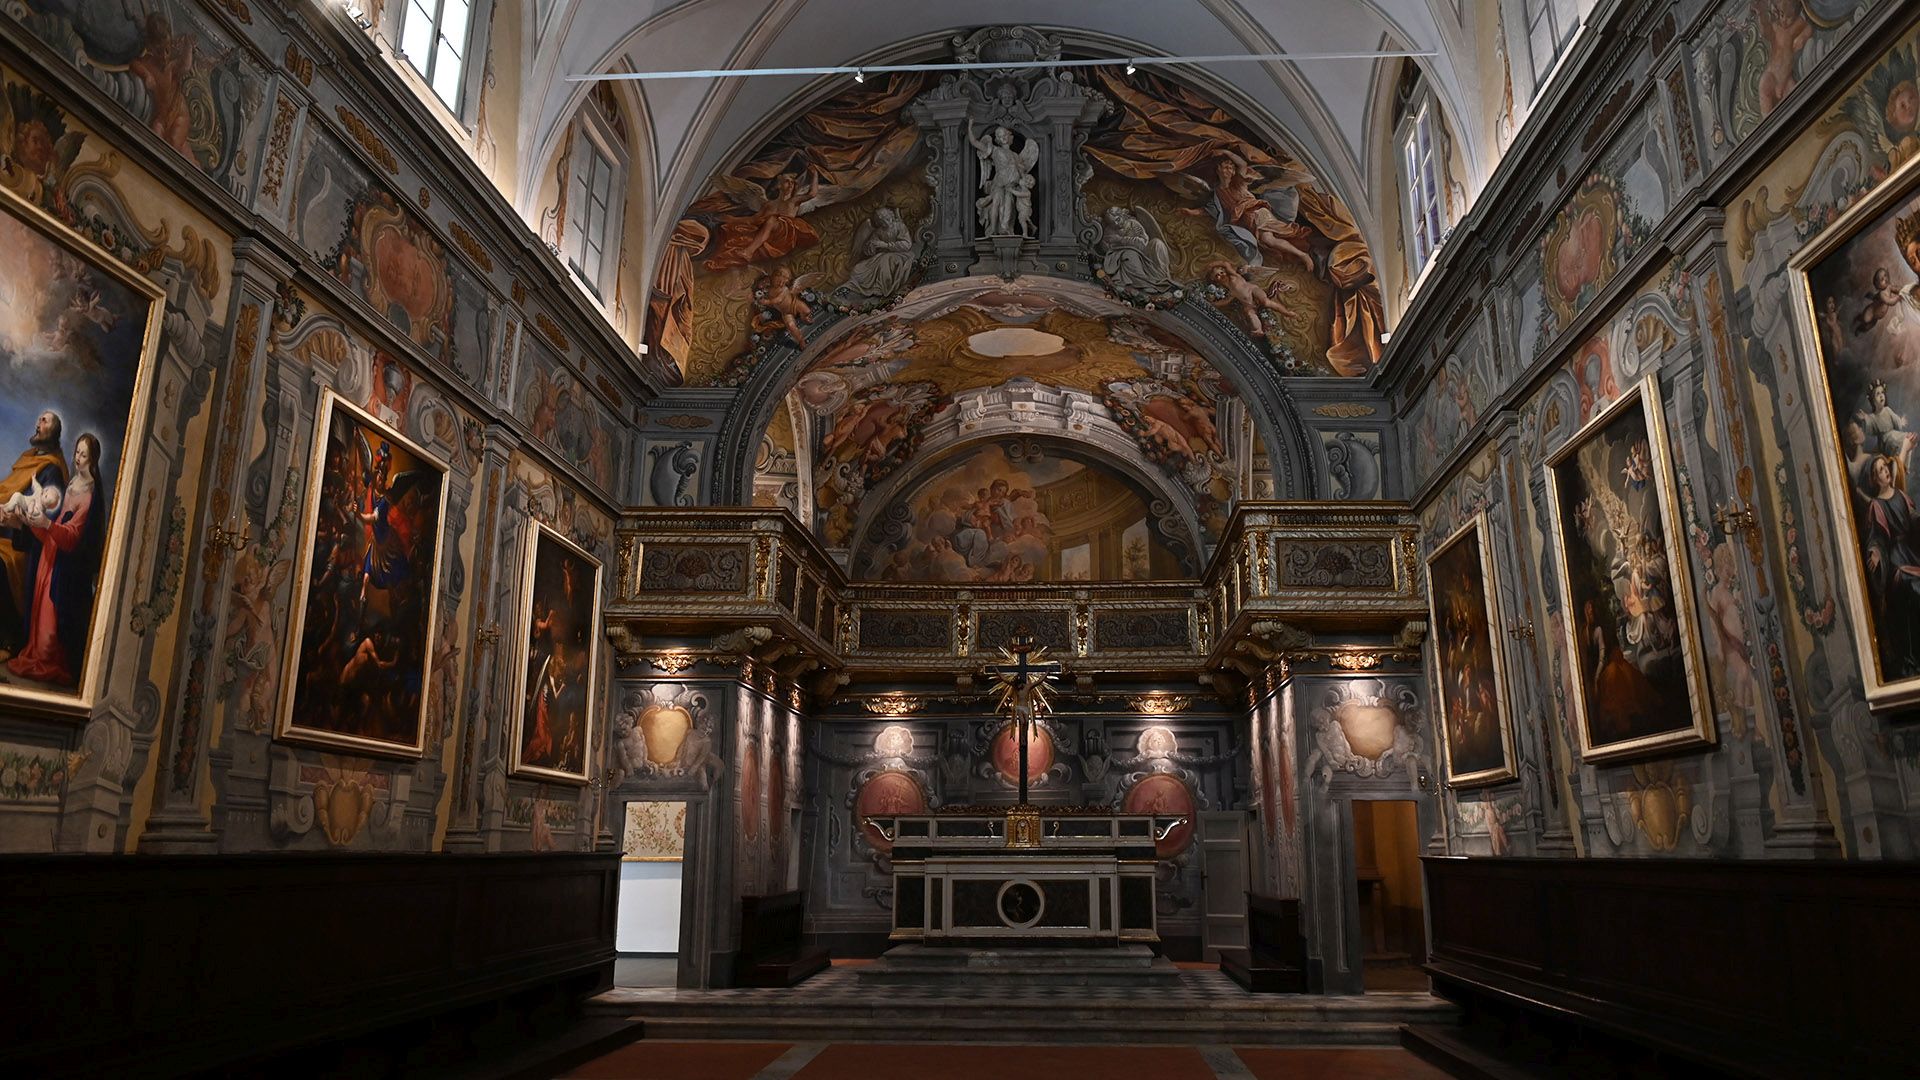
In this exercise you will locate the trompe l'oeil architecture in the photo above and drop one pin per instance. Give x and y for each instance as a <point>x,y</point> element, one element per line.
<point>1380,497</point>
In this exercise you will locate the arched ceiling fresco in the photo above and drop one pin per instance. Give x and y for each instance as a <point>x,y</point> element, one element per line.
<point>1181,200</point>
<point>964,360</point>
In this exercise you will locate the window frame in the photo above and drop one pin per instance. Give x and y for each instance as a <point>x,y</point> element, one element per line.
<point>1424,221</point>
<point>1538,70</point>
<point>472,59</point>
<point>593,134</point>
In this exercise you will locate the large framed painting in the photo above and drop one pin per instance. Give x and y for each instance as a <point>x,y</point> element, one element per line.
<point>1857,310</point>
<point>655,832</point>
<point>78,336</point>
<point>560,623</point>
<point>367,581</point>
<point>1463,604</point>
<point>1626,597</point>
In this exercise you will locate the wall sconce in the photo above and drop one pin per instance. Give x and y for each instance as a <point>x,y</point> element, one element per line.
<point>1524,630</point>
<point>223,537</point>
<point>1734,517</point>
<point>487,634</point>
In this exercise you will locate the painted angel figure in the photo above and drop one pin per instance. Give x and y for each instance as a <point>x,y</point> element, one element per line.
<point>1005,204</point>
<point>1133,252</point>
<point>773,225</point>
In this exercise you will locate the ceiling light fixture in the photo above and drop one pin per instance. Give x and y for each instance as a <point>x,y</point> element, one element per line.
<point>859,73</point>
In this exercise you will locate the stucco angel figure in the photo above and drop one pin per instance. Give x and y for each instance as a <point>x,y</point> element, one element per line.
<point>884,247</point>
<point>1134,253</point>
<point>1005,204</point>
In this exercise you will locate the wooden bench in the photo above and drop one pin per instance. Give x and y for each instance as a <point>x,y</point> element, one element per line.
<point>1275,959</point>
<point>772,946</point>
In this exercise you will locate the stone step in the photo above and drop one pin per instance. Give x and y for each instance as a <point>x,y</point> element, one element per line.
<point>951,958</point>
<point>1060,975</point>
<point>1036,1028</point>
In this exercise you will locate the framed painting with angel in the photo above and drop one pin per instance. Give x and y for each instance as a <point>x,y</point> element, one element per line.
<point>1626,602</point>
<point>559,619</point>
<point>1857,312</point>
<point>367,580</point>
<point>78,334</point>
<point>1463,605</point>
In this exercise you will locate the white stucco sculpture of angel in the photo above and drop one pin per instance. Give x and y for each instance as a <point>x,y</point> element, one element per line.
<point>1133,252</point>
<point>1005,204</point>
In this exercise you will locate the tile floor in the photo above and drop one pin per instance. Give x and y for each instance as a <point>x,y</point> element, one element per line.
<point>865,1061</point>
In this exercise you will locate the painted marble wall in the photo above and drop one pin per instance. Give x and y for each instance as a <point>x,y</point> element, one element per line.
<point>1610,277</point>
<point>304,254</point>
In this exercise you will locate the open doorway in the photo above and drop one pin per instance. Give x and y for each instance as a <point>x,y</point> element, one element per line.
<point>647,928</point>
<point>1386,861</point>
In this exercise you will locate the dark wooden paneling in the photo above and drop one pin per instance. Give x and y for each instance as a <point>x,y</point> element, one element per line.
<point>160,964</point>
<point>1773,968</point>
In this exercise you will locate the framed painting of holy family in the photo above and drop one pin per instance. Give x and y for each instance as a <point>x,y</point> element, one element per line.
<point>78,335</point>
<point>1857,314</point>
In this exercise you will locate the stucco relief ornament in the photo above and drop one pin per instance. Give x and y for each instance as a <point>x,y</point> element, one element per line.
<point>1133,259</point>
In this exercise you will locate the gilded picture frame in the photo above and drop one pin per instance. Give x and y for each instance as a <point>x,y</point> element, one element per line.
<point>1846,330</point>
<point>1454,655</point>
<point>144,298</point>
<point>321,478</point>
<point>548,686</point>
<point>1640,660</point>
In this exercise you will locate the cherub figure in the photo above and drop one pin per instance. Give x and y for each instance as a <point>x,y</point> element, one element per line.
<point>1245,299</point>
<point>1880,303</point>
<point>779,305</point>
<point>1785,26</point>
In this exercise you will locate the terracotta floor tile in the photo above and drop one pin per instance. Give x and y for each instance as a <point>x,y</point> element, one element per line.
<point>1353,1063</point>
<point>682,1061</point>
<point>844,1061</point>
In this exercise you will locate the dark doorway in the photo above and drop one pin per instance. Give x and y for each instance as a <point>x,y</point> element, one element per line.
<point>1386,861</point>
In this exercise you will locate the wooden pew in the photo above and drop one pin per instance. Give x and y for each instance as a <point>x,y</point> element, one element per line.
<point>773,951</point>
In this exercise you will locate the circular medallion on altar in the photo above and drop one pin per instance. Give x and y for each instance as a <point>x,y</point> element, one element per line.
<point>1166,796</point>
<point>886,794</point>
<point>1006,754</point>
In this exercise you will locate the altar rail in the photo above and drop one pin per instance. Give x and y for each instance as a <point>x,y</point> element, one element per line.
<point>1281,572</point>
<point>1758,968</point>
<point>159,965</point>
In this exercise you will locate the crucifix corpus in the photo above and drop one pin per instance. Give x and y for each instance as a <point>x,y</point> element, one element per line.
<point>1023,681</point>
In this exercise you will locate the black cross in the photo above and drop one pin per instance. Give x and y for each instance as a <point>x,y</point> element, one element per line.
<point>1022,675</point>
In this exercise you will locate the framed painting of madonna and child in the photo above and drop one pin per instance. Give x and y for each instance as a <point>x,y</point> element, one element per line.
<point>78,336</point>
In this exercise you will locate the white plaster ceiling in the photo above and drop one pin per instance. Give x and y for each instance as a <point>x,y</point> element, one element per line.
<point>692,127</point>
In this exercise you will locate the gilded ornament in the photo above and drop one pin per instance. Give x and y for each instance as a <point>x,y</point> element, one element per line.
<point>368,139</point>
<point>552,331</point>
<point>1160,704</point>
<point>1355,661</point>
<point>465,241</point>
<point>893,705</point>
<point>1344,410</point>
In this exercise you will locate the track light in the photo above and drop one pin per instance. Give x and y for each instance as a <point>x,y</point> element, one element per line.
<point>1130,68</point>
<point>859,76</point>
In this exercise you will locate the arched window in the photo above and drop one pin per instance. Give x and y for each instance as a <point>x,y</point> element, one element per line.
<point>596,192</point>
<point>1418,144</point>
<point>1538,31</point>
<point>437,37</point>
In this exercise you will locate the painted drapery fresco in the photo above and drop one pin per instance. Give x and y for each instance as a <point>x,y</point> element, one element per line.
<point>823,212</point>
<point>561,623</point>
<point>1010,512</point>
<point>1631,633</point>
<point>1860,317</point>
<point>368,581</point>
<point>1473,693</point>
<point>1285,262</point>
<point>77,336</point>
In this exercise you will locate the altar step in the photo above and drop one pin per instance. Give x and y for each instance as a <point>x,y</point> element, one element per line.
<point>1203,1008</point>
<point>1027,967</point>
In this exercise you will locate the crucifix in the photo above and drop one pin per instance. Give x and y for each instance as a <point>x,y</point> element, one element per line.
<point>1022,680</point>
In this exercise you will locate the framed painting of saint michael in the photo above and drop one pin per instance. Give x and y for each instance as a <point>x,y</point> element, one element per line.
<point>1857,311</point>
<point>1463,604</point>
<point>78,334</point>
<point>560,624</point>
<point>1626,600</point>
<point>367,580</point>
